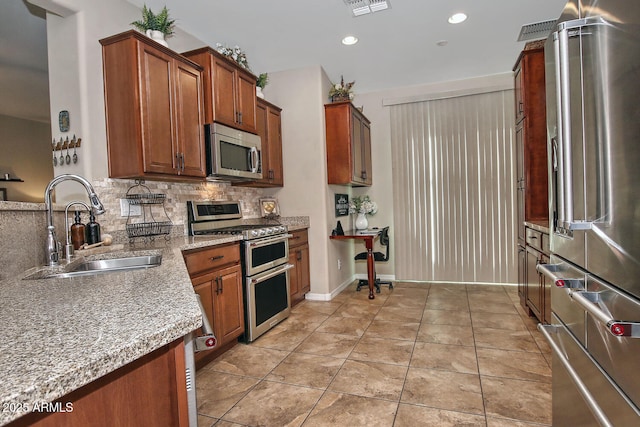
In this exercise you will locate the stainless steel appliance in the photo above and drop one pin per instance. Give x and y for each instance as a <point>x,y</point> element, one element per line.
<point>265,256</point>
<point>194,343</point>
<point>593,125</point>
<point>232,154</point>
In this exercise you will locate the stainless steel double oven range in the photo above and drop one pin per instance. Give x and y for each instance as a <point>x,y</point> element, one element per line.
<point>265,260</point>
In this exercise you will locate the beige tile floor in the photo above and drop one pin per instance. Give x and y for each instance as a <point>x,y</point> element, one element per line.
<point>417,355</point>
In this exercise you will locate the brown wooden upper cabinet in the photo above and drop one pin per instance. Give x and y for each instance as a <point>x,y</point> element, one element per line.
<point>531,136</point>
<point>268,123</point>
<point>229,90</point>
<point>348,134</point>
<point>154,110</point>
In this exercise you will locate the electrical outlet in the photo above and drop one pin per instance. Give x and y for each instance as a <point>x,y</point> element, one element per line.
<point>339,264</point>
<point>129,210</point>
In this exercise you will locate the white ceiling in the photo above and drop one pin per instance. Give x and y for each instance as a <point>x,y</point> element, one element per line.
<point>397,47</point>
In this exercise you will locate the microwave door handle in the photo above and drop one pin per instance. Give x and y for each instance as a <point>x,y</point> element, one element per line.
<point>253,159</point>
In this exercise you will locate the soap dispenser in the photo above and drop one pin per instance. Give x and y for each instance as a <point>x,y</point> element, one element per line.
<point>93,230</point>
<point>77,232</point>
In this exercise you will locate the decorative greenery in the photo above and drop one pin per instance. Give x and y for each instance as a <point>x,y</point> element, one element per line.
<point>159,22</point>
<point>342,90</point>
<point>262,81</point>
<point>235,54</point>
<point>362,205</point>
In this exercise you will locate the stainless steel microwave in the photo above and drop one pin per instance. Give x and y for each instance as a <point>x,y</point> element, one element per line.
<point>232,154</point>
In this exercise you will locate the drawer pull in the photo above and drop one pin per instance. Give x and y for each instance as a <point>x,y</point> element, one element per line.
<point>216,258</point>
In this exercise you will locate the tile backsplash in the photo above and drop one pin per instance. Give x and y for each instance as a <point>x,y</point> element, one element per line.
<point>111,191</point>
<point>23,225</point>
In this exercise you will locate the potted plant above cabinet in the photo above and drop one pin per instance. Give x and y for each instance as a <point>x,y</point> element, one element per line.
<point>154,110</point>
<point>155,26</point>
<point>229,90</point>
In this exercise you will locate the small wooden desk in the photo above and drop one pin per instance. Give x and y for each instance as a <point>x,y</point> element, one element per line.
<point>368,242</point>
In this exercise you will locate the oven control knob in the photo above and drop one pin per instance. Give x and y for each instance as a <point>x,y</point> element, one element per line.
<point>269,230</point>
<point>261,232</point>
<point>254,233</point>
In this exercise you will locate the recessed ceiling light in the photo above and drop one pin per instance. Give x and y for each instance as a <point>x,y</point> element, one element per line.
<point>457,18</point>
<point>442,42</point>
<point>349,40</point>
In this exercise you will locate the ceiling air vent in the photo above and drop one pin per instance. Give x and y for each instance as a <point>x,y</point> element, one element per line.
<point>362,7</point>
<point>537,30</point>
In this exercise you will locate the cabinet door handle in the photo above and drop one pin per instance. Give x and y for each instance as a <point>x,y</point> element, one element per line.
<point>520,107</point>
<point>221,284</point>
<point>216,258</point>
<point>299,255</point>
<point>182,157</point>
<point>364,175</point>
<point>178,162</point>
<point>240,117</point>
<point>217,280</point>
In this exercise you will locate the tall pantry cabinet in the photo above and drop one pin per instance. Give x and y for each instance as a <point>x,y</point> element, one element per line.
<point>531,165</point>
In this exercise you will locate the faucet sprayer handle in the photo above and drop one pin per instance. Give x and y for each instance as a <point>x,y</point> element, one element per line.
<point>96,204</point>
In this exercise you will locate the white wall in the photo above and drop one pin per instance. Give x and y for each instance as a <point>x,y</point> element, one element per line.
<point>301,94</point>
<point>75,75</point>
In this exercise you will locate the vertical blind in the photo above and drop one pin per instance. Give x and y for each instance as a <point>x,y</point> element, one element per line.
<point>453,179</point>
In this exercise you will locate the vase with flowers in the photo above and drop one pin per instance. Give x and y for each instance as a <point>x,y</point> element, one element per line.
<point>362,206</point>
<point>341,91</point>
<point>235,54</point>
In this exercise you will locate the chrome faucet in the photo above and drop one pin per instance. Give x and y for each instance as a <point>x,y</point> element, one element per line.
<point>52,248</point>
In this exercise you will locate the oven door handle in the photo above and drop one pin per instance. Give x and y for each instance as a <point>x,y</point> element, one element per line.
<point>268,241</point>
<point>546,331</point>
<point>270,273</point>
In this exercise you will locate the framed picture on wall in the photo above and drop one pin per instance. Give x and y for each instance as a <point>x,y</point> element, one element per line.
<point>342,205</point>
<point>3,194</point>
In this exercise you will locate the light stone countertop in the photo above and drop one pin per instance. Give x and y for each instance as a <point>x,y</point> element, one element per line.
<point>60,334</point>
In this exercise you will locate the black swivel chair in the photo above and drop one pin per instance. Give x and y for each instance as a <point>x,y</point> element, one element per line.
<point>377,257</point>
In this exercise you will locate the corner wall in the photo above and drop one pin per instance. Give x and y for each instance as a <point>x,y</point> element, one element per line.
<point>301,94</point>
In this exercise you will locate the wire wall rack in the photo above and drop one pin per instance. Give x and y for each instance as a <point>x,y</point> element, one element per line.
<point>151,206</point>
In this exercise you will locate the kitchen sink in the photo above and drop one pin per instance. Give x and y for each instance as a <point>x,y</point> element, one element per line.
<point>95,266</point>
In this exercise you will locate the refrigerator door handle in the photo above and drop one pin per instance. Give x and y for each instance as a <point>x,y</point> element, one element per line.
<point>552,270</point>
<point>591,301</point>
<point>566,30</point>
<point>546,331</point>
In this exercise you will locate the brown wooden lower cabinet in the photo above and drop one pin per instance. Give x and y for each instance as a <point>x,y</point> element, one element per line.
<point>150,391</point>
<point>216,276</point>
<point>300,274</point>
<point>534,287</point>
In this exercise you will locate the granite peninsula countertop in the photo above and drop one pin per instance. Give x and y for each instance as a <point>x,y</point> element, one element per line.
<point>60,334</point>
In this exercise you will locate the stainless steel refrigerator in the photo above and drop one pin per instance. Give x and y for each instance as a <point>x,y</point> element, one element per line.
<point>593,125</point>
